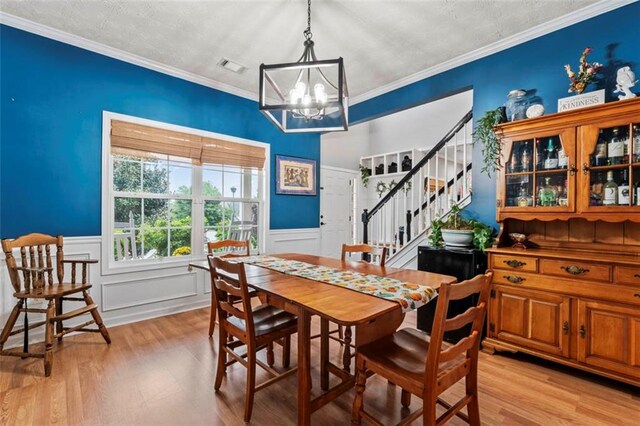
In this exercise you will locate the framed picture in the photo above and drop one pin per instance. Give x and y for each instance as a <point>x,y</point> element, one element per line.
<point>295,176</point>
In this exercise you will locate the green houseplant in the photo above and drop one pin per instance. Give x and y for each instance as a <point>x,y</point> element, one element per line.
<point>365,174</point>
<point>491,145</point>
<point>457,231</point>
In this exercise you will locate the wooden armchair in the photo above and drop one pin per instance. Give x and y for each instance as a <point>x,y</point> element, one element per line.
<point>256,328</point>
<point>33,279</point>
<point>422,366</point>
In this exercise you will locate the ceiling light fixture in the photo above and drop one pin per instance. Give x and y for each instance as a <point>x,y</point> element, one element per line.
<point>315,98</point>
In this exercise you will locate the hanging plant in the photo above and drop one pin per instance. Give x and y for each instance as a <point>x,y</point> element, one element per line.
<point>491,144</point>
<point>381,188</point>
<point>365,174</point>
<point>407,187</point>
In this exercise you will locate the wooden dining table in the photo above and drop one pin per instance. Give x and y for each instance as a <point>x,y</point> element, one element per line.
<point>372,317</point>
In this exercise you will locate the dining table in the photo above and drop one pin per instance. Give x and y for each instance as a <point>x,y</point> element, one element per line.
<point>370,316</point>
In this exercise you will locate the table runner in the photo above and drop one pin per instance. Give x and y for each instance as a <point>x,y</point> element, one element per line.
<point>410,296</point>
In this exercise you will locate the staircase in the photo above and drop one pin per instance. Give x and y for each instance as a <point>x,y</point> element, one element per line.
<point>402,218</point>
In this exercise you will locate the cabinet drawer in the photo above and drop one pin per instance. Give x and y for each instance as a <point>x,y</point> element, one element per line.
<point>574,269</point>
<point>627,275</point>
<point>517,263</point>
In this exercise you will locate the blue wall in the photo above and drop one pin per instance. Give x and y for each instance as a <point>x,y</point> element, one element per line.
<point>537,64</point>
<point>52,98</point>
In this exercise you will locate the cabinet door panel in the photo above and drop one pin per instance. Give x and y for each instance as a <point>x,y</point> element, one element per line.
<point>533,319</point>
<point>611,337</point>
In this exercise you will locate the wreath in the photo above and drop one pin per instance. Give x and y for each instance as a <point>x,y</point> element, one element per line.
<point>381,188</point>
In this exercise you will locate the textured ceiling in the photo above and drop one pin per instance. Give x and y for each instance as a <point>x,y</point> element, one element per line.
<point>380,41</point>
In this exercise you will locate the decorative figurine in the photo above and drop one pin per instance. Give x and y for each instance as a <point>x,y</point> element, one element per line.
<point>519,240</point>
<point>406,163</point>
<point>625,80</point>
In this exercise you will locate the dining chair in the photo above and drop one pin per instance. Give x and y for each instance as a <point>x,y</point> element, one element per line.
<point>256,328</point>
<point>422,365</point>
<point>226,249</point>
<point>34,280</point>
<point>376,256</point>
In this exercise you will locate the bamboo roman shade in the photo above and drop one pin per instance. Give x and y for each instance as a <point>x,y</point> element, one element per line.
<point>138,140</point>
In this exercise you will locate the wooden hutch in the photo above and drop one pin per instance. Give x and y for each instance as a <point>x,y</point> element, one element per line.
<point>573,295</point>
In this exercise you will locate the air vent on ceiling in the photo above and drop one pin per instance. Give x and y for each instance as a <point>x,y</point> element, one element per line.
<point>228,64</point>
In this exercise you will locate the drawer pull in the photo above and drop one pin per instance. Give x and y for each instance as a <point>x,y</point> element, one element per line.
<point>515,263</point>
<point>583,331</point>
<point>637,295</point>
<point>636,276</point>
<point>574,270</point>
<point>514,279</point>
<point>565,327</point>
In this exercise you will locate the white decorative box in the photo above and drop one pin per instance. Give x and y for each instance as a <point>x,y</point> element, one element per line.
<point>581,101</point>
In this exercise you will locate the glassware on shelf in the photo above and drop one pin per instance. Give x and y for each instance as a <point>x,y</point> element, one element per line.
<point>623,189</point>
<point>563,158</point>
<point>526,158</point>
<point>547,195</point>
<point>636,143</point>
<point>563,198</point>
<point>517,104</point>
<point>551,159</point>
<point>610,191</point>
<point>524,199</point>
<point>600,157</point>
<point>618,147</point>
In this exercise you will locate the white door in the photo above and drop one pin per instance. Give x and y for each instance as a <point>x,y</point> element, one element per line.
<point>336,209</point>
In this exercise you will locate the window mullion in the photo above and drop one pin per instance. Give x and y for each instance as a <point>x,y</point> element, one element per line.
<point>197,212</point>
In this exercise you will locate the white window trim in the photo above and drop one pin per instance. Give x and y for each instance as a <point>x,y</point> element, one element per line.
<point>108,264</point>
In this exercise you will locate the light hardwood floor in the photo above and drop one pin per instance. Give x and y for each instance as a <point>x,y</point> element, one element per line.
<point>161,371</point>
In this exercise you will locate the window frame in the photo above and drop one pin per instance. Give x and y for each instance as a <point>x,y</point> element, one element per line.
<point>109,265</point>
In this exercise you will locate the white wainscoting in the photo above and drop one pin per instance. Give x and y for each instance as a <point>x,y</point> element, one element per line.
<point>136,296</point>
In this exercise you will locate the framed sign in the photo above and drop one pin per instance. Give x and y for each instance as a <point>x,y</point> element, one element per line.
<point>295,176</point>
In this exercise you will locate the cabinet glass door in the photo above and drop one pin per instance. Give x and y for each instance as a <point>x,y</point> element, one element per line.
<point>611,168</point>
<point>538,174</point>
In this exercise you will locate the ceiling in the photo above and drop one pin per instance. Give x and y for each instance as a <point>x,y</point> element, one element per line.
<point>380,41</point>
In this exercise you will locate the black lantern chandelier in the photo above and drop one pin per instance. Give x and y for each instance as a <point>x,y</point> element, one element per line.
<point>307,95</point>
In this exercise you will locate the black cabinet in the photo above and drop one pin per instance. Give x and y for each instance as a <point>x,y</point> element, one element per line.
<point>460,263</point>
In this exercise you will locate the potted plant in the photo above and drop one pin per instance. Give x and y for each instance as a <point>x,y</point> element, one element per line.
<point>365,174</point>
<point>491,145</point>
<point>457,231</point>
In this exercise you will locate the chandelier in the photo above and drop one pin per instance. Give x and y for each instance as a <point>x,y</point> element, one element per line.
<point>308,95</point>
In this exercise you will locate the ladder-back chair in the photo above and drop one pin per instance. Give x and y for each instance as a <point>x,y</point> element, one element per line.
<point>34,279</point>
<point>226,249</point>
<point>256,328</point>
<point>423,366</point>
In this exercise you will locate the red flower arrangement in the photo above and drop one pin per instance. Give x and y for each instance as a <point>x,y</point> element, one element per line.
<point>586,73</point>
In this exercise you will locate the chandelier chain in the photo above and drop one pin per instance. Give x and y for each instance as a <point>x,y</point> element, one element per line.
<point>307,32</point>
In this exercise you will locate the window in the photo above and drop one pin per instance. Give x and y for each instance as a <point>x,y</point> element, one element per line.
<point>171,192</point>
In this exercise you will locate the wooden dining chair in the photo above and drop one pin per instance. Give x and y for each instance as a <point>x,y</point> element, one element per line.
<point>226,249</point>
<point>423,366</point>
<point>256,328</point>
<point>376,256</point>
<point>34,280</point>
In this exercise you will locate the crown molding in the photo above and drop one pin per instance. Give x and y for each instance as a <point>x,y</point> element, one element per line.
<point>564,21</point>
<point>83,43</point>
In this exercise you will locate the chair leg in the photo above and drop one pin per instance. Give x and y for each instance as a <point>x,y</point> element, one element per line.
<point>340,335</point>
<point>251,384</point>
<point>361,380</point>
<point>286,352</point>
<point>271,359</point>
<point>48,339</point>
<point>97,318</point>
<point>473,408</point>
<point>59,322</point>
<point>11,322</point>
<point>405,398</point>
<point>212,315</point>
<point>222,358</point>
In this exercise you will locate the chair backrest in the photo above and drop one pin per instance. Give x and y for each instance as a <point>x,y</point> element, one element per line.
<point>230,247</point>
<point>475,315</point>
<point>35,253</point>
<point>240,230</point>
<point>125,242</point>
<point>228,281</point>
<point>377,255</point>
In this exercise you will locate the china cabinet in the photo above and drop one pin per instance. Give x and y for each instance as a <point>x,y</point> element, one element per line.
<point>571,183</point>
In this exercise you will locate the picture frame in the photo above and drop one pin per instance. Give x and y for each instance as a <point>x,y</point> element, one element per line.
<point>295,176</point>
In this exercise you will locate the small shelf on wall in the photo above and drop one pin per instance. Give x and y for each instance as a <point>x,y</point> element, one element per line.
<point>391,163</point>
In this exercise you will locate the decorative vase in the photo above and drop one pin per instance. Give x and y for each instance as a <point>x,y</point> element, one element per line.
<point>517,104</point>
<point>457,237</point>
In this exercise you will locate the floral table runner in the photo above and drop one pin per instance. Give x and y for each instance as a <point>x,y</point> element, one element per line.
<point>409,295</point>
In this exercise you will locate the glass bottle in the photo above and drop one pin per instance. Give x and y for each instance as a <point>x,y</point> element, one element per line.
<point>563,198</point>
<point>524,199</point>
<point>600,158</point>
<point>526,159</point>
<point>615,148</point>
<point>551,160</point>
<point>610,196</point>
<point>563,160</point>
<point>547,194</point>
<point>539,155</point>
<point>623,189</point>
<point>636,143</point>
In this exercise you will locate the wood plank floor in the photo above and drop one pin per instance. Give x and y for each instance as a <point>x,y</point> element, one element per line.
<point>161,371</point>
